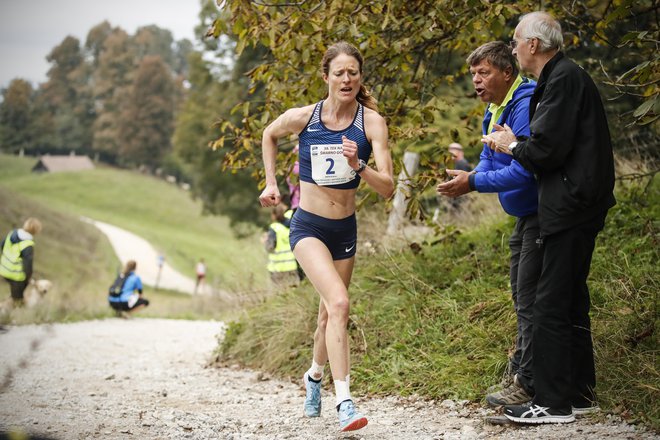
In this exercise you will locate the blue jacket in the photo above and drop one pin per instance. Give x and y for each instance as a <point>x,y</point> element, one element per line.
<point>499,172</point>
<point>133,283</point>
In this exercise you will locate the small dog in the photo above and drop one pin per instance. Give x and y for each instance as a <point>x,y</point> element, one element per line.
<point>36,291</point>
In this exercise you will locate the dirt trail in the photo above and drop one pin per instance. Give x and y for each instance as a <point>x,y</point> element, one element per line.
<point>129,246</point>
<point>147,379</point>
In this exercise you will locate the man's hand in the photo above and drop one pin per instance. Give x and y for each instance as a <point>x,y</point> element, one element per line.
<point>457,186</point>
<point>500,139</point>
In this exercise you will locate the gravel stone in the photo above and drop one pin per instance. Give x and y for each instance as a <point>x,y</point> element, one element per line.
<point>149,379</point>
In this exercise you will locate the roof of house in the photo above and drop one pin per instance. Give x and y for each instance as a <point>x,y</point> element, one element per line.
<point>56,164</point>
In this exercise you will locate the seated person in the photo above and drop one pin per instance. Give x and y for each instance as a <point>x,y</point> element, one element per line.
<point>130,298</point>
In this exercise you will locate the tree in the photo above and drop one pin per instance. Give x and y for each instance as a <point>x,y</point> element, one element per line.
<point>111,81</point>
<point>231,193</point>
<point>15,117</point>
<point>66,99</point>
<point>146,121</point>
<point>407,47</point>
<point>153,40</point>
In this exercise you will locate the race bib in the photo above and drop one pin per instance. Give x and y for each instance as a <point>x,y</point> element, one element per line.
<point>329,166</point>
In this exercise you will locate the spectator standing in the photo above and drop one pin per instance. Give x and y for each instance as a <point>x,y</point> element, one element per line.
<point>497,82</point>
<point>200,272</point>
<point>17,258</point>
<point>456,151</point>
<point>569,150</point>
<point>282,264</point>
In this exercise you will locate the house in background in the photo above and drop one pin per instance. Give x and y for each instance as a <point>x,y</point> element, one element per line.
<point>56,164</point>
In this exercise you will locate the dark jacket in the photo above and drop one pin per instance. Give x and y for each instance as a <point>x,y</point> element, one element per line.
<point>499,172</point>
<point>569,148</point>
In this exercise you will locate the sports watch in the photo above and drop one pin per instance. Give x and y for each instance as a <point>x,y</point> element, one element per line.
<point>361,166</point>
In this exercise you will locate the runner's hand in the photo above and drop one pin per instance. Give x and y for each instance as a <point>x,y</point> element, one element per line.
<point>270,196</point>
<point>350,151</point>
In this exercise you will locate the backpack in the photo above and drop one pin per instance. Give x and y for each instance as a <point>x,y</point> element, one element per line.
<point>117,285</point>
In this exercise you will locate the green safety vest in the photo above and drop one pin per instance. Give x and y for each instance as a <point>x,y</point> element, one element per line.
<point>11,263</point>
<point>281,259</point>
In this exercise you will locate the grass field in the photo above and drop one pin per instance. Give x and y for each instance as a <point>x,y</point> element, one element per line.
<point>162,213</point>
<point>80,262</point>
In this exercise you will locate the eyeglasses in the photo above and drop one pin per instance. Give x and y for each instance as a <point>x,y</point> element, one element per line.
<point>514,43</point>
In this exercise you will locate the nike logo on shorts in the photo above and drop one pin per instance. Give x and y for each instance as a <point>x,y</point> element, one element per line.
<point>348,249</point>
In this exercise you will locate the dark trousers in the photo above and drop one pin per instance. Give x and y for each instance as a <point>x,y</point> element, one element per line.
<point>17,288</point>
<point>525,269</point>
<point>563,356</point>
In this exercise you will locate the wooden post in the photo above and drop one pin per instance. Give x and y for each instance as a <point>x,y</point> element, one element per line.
<point>400,202</point>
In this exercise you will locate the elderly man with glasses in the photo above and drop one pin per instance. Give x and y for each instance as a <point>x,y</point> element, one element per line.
<point>570,152</point>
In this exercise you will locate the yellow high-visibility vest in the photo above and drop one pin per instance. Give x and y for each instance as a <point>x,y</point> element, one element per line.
<point>281,259</point>
<point>11,263</point>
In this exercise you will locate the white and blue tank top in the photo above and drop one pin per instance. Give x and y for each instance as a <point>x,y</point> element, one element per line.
<point>320,151</point>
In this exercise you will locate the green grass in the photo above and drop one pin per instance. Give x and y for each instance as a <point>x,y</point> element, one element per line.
<point>163,214</point>
<point>440,323</point>
<point>78,259</point>
<point>74,255</point>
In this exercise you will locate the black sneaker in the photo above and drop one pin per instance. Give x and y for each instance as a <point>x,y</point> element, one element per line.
<point>536,414</point>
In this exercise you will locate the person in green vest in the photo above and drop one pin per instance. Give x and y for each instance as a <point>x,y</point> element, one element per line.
<point>17,258</point>
<point>282,264</point>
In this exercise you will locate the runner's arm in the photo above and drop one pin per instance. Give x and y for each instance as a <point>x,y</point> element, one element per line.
<point>381,178</point>
<point>290,122</point>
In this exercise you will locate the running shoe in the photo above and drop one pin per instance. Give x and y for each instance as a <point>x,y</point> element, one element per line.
<point>349,418</point>
<point>313,397</point>
<point>536,414</point>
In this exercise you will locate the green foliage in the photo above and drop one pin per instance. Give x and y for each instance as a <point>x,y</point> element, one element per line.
<point>232,193</point>
<point>440,323</point>
<point>147,117</point>
<point>114,97</point>
<point>16,130</point>
<point>414,65</point>
<point>407,48</point>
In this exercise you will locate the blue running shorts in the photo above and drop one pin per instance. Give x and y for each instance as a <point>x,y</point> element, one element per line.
<point>339,236</point>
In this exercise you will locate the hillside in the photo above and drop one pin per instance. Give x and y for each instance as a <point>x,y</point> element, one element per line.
<point>74,255</point>
<point>162,213</point>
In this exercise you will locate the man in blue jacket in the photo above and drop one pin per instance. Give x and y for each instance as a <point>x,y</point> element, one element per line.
<point>570,151</point>
<point>497,82</point>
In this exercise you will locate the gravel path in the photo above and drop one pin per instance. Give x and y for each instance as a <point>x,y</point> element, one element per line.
<point>148,379</point>
<point>129,246</point>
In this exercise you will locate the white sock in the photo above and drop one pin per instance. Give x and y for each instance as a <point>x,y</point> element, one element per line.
<point>316,371</point>
<point>342,390</point>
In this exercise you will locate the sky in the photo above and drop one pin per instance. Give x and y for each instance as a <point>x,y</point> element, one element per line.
<point>30,29</point>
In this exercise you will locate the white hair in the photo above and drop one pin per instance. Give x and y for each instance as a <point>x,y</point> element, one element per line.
<point>543,27</point>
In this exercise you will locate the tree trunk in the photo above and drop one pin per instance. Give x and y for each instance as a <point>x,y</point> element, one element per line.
<point>400,202</point>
